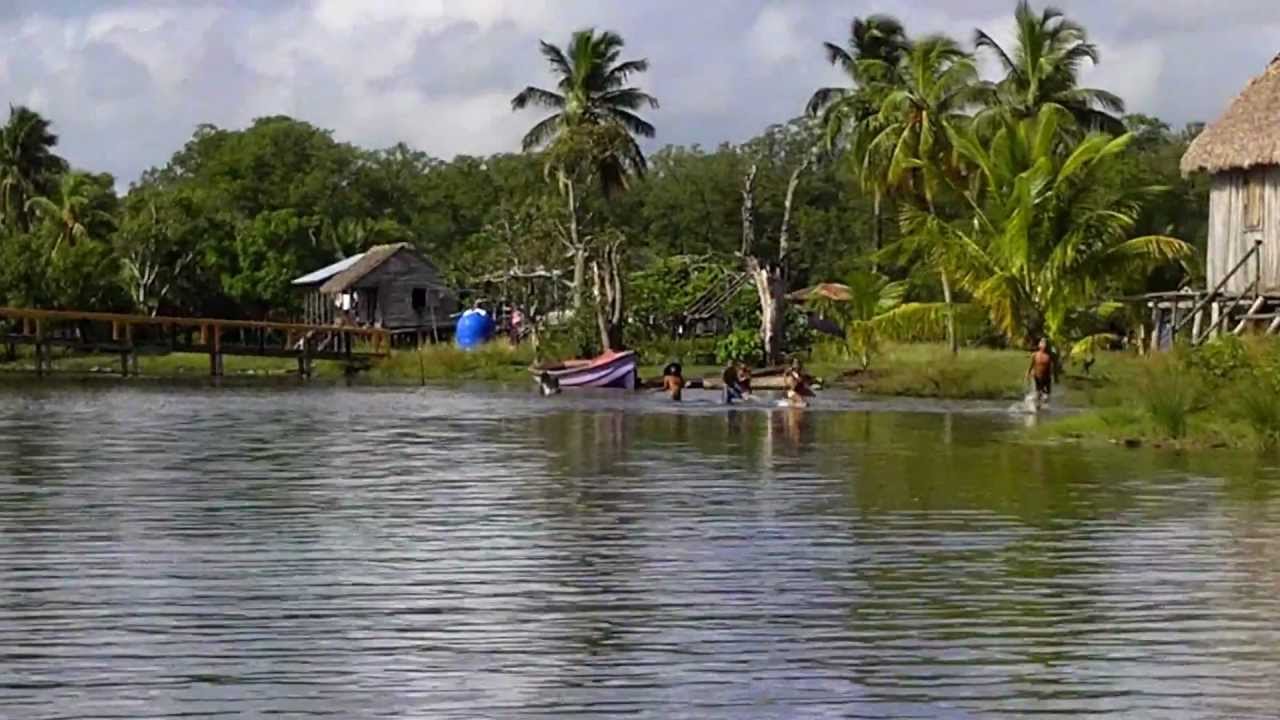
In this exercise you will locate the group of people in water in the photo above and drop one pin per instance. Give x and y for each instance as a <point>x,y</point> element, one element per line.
<point>735,383</point>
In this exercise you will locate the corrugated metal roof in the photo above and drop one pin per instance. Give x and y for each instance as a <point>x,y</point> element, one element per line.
<point>327,272</point>
<point>365,264</point>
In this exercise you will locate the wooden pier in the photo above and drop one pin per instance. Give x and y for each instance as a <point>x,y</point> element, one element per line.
<point>131,335</point>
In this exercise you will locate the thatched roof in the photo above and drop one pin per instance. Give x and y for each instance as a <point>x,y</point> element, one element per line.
<point>371,260</point>
<point>1247,135</point>
<point>831,291</point>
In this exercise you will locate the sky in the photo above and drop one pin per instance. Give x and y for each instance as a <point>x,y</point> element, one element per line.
<point>127,81</point>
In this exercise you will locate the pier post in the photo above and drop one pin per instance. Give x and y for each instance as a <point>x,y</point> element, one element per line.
<point>39,348</point>
<point>215,353</point>
<point>304,359</point>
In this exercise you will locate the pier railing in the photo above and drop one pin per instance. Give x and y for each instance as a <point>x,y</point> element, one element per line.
<point>131,335</point>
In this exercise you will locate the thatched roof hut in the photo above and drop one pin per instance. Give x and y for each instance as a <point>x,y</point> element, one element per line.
<point>1242,153</point>
<point>1247,135</point>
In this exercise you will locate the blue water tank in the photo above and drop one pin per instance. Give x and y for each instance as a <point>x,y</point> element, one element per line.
<point>475,327</point>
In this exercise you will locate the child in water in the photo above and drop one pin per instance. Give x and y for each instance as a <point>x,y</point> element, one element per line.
<point>732,379</point>
<point>1041,371</point>
<point>673,381</point>
<point>796,385</point>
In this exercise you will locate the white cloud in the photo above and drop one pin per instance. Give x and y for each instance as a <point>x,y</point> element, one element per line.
<point>773,36</point>
<point>127,82</point>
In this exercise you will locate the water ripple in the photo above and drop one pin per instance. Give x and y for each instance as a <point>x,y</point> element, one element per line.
<point>338,553</point>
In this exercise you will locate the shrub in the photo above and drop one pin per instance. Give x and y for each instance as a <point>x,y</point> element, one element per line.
<point>741,344</point>
<point>1220,359</point>
<point>1257,402</point>
<point>1168,397</point>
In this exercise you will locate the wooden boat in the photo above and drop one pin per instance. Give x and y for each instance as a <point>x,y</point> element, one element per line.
<point>610,370</point>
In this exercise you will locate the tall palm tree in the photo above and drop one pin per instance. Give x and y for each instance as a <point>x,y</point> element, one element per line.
<point>908,137</point>
<point>1047,239</point>
<point>591,90</point>
<point>593,126</point>
<point>841,110</point>
<point>70,210</point>
<point>28,166</point>
<point>939,85</point>
<point>1044,68</point>
<point>876,37</point>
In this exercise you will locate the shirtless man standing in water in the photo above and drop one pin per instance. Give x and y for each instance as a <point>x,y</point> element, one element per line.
<point>1041,370</point>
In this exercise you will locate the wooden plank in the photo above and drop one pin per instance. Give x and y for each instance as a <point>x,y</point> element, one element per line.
<point>1244,321</point>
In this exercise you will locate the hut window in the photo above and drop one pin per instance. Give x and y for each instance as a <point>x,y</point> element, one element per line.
<point>1255,183</point>
<point>419,299</point>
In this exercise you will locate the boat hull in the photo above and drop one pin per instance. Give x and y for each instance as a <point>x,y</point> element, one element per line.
<point>607,371</point>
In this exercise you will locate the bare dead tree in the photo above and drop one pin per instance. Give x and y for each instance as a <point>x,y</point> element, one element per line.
<point>606,268</point>
<point>770,278</point>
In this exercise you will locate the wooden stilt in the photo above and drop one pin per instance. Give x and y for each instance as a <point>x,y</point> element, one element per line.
<point>1155,329</point>
<point>304,359</point>
<point>1253,309</point>
<point>215,353</point>
<point>1215,318</point>
<point>1197,323</point>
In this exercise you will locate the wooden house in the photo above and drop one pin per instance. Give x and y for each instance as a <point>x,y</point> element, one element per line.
<point>388,286</point>
<point>1241,151</point>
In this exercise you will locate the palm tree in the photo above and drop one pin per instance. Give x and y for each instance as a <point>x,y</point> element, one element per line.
<point>28,166</point>
<point>70,212</point>
<point>877,37</point>
<point>842,110</point>
<point>1044,69</point>
<point>592,129</point>
<point>908,137</point>
<point>592,90</point>
<point>1046,238</point>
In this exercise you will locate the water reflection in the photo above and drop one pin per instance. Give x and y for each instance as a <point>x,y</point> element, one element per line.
<point>459,554</point>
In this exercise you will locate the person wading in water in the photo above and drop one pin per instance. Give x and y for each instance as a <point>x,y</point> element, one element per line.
<point>796,385</point>
<point>673,381</point>
<point>732,379</point>
<point>1041,371</point>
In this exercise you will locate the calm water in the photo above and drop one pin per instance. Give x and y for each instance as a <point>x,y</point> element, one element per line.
<point>448,554</point>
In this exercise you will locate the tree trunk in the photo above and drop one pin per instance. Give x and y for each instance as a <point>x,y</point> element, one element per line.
<point>952,341</point>
<point>579,276</point>
<point>576,246</point>
<point>877,231</point>
<point>770,280</point>
<point>607,285</point>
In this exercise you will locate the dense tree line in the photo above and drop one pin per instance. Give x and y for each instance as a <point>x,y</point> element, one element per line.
<point>1029,196</point>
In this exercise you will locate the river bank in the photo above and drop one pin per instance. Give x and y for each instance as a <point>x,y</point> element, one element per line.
<point>1224,394</point>
<point>919,370</point>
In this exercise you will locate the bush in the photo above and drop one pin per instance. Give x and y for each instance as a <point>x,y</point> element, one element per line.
<point>689,351</point>
<point>1257,403</point>
<point>741,344</point>
<point>1168,397</point>
<point>1219,359</point>
<point>577,337</point>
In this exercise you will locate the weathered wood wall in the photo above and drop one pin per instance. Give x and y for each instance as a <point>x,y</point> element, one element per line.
<point>395,281</point>
<point>1229,240</point>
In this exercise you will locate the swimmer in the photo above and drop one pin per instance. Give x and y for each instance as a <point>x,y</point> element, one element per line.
<point>673,381</point>
<point>547,384</point>
<point>731,377</point>
<point>796,385</point>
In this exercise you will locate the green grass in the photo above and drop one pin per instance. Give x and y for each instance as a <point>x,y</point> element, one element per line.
<point>1190,398</point>
<point>930,370</point>
<point>494,362</point>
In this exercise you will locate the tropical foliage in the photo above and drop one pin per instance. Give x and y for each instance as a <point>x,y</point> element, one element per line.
<point>1046,238</point>
<point>1029,200</point>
